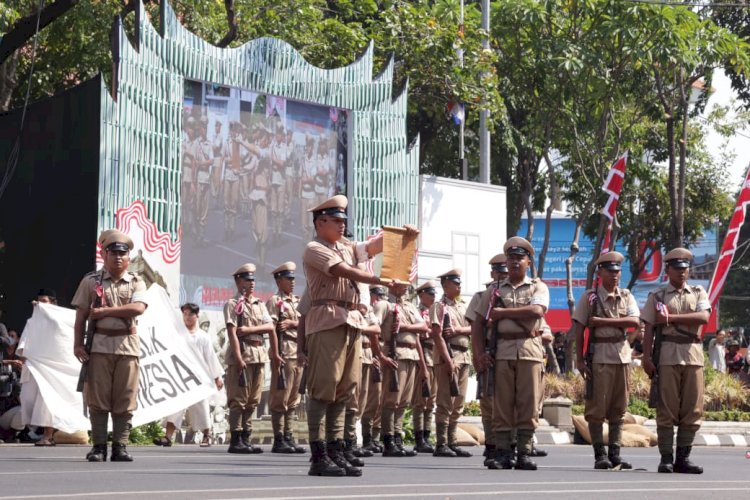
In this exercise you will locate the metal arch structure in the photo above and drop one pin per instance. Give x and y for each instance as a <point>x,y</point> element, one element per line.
<point>141,124</point>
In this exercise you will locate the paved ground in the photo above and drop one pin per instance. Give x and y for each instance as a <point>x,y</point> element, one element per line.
<point>192,472</point>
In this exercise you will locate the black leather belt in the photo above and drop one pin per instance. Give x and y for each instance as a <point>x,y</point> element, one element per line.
<point>460,348</point>
<point>350,306</point>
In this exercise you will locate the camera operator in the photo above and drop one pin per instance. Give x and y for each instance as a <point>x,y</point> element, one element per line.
<point>11,420</point>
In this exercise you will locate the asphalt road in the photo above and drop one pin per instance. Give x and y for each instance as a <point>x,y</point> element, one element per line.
<point>191,472</point>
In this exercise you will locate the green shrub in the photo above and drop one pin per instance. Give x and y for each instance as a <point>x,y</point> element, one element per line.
<point>145,434</point>
<point>640,407</point>
<point>472,409</point>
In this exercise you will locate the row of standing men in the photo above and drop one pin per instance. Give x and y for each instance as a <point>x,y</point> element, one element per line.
<point>424,357</point>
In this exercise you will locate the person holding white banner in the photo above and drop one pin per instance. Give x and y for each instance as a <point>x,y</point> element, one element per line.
<point>198,413</point>
<point>113,374</point>
<point>247,320</point>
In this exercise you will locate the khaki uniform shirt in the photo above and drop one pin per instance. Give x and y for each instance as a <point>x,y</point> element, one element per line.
<point>456,310</point>
<point>528,292</point>
<point>689,299</point>
<point>254,313</point>
<point>318,259</point>
<point>424,312</point>
<point>408,314</point>
<point>281,308</point>
<point>366,354</point>
<point>128,289</point>
<point>618,304</point>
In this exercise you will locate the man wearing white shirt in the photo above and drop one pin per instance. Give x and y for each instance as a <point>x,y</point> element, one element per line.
<point>198,413</point>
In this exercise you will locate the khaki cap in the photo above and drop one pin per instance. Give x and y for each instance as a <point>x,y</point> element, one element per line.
<point>498,259</point>
<point>335,207</point>
<point>285,270</point>
<point>245,271</point>
<point>610,260</point>
<point>518,245</point>
<point>452,275</point>
<point>679,258</point>
<point>112,239</point>
<point>428,286</point>
<point>378,290</point>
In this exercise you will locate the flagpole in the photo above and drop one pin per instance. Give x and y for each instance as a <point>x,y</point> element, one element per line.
<point>461,154</point>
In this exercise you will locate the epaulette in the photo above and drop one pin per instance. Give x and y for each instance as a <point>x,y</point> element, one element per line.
<point>696,288</point>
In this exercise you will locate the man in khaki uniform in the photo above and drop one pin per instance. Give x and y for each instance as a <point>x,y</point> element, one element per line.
<point>202,162</point>
<point>247,320</point>
<point>400,326</point>
<point>332,328</point>
<point>111,385</point>
<point>607,311</point>
<point>284,401</point>
<point>679,311</point>
<point>516,312</point>
<point>423,406</point>
<point>450,330</point>
<point>499,271</point>
<point>371,399</point>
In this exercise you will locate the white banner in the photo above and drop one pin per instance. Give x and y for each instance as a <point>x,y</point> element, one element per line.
<point>172,377</point>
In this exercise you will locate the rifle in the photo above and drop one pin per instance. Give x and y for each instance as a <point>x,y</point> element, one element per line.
<point>393,387</point>
<point>99,301</point>
<point>281,382</point>
<point>425,383</point>
<point>653,394</point>
<point>589,359</point>
<point>490,348</point>
<point>446,325</point>
<point>240,312</point>
<point>303,382</point>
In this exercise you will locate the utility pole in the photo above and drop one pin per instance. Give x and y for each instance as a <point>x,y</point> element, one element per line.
<point>484,134</point>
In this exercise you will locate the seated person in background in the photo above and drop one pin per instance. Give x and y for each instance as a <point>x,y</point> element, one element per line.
<point>198,413</point>
<point>734,359</point>
<point>11,421</point>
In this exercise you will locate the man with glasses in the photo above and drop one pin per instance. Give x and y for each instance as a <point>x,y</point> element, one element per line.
<point>247,320</point>
<point>284,401</point>
<point>607,311</point>
<point>113,298</point>
<point>675,314</point>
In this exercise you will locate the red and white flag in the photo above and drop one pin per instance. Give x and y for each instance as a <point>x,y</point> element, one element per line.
<point>724,261</point>
<point>613,187</point>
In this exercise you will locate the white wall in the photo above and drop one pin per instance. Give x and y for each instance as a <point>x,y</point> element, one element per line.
<point>462,225</point>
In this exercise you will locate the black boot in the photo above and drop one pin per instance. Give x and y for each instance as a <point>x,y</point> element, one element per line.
<point>503,459</point>
<point>422,446</point>
<point>120,454</point>
<point>350,456</point>
<point>280,445</point>
<point>443,450</point>
<point>614,457</point>
<point>427,443</point>
<point>289,438</point>
<point>537,452</point>
<point>377,445</point>
<point>236,445</point>
<point>245,437</point>
<point>389,447</point>
<point>523,462</point>
<point>98,453</point>
<point>368,444</point>
<point>683,464</point>
<point>600,457</point>
<point>489,454</point>
<point>336,454</point>
<point>666,464</point>
<point>399,441</point>
<point>322,465</point>
<point>356,450</point>
<point>459,451</point>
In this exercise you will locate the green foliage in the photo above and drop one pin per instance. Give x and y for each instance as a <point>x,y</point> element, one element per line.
<point>640,407</point>
<point>578,409</point>
<point>726,416</point>
<point>472,409</point>
<point>145,434</point>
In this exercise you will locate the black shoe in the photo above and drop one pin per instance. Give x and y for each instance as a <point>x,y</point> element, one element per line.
<point>614,457</point>
<point>98,453</point>
<point>399,442</point>
<point>422,445</point>
<point>537,452</point>
<point>683,464</point>
<point>389,447</point>
<point>377,445</point>
<point>245,437</point>
<point>523,462</point>
<point>322,465</point>
<point>443,450</point>
<point>503,460</point>
<point>458,451</point>
<point>280,445</point>
<point>120,454</point>
<point>600,457</point>
<point>236,445</point>
<point>350,456</point>
<point>289,438</point>
<point>336,454</point>
<point>666,465</point>
<point>368,444</point>
<point>356,450</point>
<point>489,454</point>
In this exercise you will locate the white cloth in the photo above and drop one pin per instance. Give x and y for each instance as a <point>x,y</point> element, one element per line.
<point>198,415</point>
<point>12,418</point>
<point>203,348</point>
<point>34,411</point>
<point>716,354</point>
